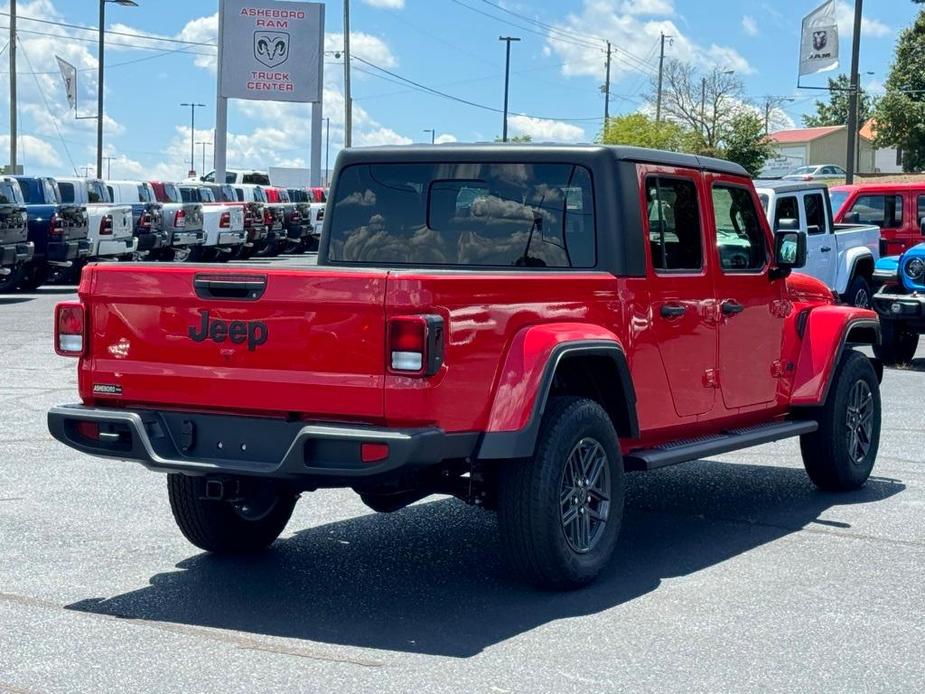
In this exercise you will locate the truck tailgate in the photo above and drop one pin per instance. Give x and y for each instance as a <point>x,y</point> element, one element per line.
<point>306,341</point>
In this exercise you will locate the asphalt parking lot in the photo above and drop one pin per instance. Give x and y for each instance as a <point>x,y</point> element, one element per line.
<point>732,574</point>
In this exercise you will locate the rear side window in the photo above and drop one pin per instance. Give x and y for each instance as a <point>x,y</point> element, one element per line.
<point>786,208</point>
<point>464,214</point>
<point>884,211</point>
<point>739,236</point>
<point>815,213</point>
<point>675,240</point>
<point>67,192</point>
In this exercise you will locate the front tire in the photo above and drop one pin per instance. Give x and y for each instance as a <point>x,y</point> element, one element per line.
<point>858,293</point>
<point>840,455</point>
<point>559,513</point>
<point>898,343</point>
<point>247,525</point>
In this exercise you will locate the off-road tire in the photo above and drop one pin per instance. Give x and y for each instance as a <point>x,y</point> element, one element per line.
<point>897,345</point>
<point>826,452</point>
<point>10,282</point>
<point>858,293</point>
<point>216,526</point>
<point>530,501</point>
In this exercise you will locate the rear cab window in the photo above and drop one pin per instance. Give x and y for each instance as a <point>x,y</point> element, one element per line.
<point>68,191</point>
<point>480,214</point>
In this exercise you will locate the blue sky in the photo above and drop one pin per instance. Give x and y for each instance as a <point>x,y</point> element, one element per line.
<point>448,45</point>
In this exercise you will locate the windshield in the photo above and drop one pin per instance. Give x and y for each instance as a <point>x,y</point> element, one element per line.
<point>481,214</point>
<point>146,193</point>
<point>205,195</point>
<point>283,196</point>
<point>838,198</point>
<point>260,195</point>
<point>9,193</point>
<point>802,170</point>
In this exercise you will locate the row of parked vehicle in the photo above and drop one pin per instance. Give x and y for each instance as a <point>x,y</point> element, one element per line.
<point>50,228</point>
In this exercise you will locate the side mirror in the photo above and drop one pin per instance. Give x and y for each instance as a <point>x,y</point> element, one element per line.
<point>788,224</point>
<point>789,250</point>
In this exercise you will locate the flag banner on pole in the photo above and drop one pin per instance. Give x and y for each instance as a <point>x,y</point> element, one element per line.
<point>69,75</point>
<point>819,40</point>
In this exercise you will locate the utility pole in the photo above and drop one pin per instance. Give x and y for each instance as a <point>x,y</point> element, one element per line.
<point>108,167</point>
<point>203,145</point>
<point>853,95</point>
<point>433,134</point>
<point>661,71</point>
<point>607,88</point>
<point>14,125</point>
<point>192,137</point>
<point>703,106</point>
<point>100,81</point>
<point>507,80</point>
<point>348,99</point>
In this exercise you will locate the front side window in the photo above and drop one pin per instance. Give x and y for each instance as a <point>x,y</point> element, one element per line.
<point>674,224</point>
<point>469,214</point>
<point>786,208</point>
<point>815,213</point>
<point>920,214</point>
<point>740,239</point>
<point>884,211</point>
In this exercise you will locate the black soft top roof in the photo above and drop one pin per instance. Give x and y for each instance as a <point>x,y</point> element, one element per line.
<point>518,152</point>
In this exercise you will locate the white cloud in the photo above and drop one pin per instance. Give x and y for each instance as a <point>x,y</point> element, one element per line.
<point>642,7</point>
<point>380,136</point>
<point>844,15</point>
<point>545,130</point>
<point>366,46</point>
<point>749,25</point>
<point>33,151</point>
<point>445,138</point>
<point>633,38</point>
<point>386,4</point>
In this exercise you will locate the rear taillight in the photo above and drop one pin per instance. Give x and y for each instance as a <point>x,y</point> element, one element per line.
<point>225,221</point>
<point>416,345</point>
<point>70,329</point>
<point>296,217</point>
<point>55,226</point>
<point>179,222</point>
<point>267,217</point>
<point>145,221</point>
<point>321,215</point>
<point>106,225</point>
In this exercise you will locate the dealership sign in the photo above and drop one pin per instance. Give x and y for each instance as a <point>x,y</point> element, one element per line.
<point>272,50</point>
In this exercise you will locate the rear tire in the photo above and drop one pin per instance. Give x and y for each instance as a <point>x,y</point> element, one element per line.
<point>858,293</point>
<point>898,343</point>
<point>226,528</point>
<point>559,513</point>
<point>33,277</point>
<point>840,455</point>
<point>10,282</point>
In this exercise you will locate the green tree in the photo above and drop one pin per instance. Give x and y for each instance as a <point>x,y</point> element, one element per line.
<point>515,138</point>
<point>746,144</point>
<point>835,110</point>
<point>640,130</point>
<point>901,113</point>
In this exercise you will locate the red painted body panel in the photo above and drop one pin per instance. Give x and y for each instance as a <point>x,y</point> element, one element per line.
<point>893,241</point>
<point>826,328</point>
<point>325,355</point>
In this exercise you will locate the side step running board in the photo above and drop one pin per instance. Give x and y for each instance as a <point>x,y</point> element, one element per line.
<point>730,440</point>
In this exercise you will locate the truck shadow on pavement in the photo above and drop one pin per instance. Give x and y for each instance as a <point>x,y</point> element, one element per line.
<point>428,579</point>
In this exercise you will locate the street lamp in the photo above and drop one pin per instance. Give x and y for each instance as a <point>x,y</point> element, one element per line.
<point>433,134</point>
<point>204,144</point>
<point>507,80</point>
<point>192,137</point>
<point>99,81</point>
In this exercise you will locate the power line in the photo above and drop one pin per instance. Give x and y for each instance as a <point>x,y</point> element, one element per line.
<point>95,30</point>
<point>109,43</point>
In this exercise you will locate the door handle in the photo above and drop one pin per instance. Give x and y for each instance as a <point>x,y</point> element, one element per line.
<point>730,308</point>
<point>825,249</point>
<point>673,310</point>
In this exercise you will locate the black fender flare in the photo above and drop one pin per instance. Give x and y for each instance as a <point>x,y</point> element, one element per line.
<point>502,445</point>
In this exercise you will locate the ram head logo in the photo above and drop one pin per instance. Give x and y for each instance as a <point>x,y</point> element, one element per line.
<point>271,48</point>
<point>820,39</point>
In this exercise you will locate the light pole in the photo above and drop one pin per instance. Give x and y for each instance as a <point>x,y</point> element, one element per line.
<point>327,150</point>
<point>348,97</point>
<point>507,80</point>
<point>108,167</point>
<point>192,137</point>
<point>99,81</point>
<point>204,144</point>
<point>433,134</point>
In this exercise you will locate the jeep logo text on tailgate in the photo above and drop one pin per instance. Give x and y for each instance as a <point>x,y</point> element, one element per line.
<point>253,332</point>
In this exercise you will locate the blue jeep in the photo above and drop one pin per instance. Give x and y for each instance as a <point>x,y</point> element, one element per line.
<point>900,303</point>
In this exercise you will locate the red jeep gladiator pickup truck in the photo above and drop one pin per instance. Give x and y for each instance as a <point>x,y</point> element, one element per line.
<point>513,325</point>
